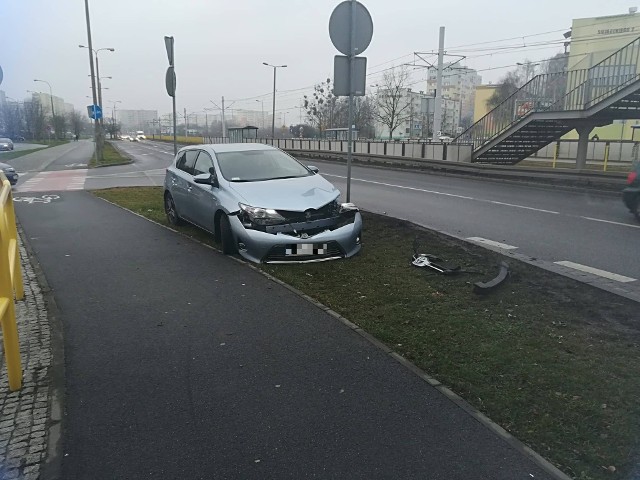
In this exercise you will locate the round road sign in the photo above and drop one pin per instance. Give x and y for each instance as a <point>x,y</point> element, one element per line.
<point>340,28</point>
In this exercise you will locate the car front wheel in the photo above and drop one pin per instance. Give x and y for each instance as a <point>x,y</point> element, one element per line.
<point>226,237</point>
<point>171,212</point>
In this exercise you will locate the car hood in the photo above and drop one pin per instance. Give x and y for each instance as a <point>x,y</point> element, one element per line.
<point>5,166</point>
<point>294,194</point>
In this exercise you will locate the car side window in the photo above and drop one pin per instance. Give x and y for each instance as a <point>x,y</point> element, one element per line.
<point>190,160</point>
<point>203,164</point>
<point>181,161</point>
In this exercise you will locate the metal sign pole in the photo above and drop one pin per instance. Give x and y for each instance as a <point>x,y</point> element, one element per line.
<point>352,54</point>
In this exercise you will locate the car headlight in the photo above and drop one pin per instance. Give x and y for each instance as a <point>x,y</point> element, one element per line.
<point>9,170</point>
<point>261,216</point>
<point>348,207</point>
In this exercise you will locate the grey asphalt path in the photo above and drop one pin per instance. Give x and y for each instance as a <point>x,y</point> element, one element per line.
<point>182,363</point>
<point>68,156</point>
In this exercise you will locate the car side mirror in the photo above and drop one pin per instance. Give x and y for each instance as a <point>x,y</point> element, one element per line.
<point>315,170</point>
<point>206,179</point>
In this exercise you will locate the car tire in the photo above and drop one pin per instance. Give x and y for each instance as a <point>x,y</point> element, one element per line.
<point>636,209</point>
<point>229,246</point>
<point>170,210</point>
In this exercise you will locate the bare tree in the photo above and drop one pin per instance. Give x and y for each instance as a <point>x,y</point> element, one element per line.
<point>363,114</point>
<point>34,119</point>
<point>76,123</point>
<point>319,106</point>
<point>392,108</point>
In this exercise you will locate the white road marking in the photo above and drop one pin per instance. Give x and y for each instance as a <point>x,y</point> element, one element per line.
<point>609,221</point>
<point>403,187</point>
<point>492,243</point>
<point>435,192</point>
<point>521,206</point>
<point>596,271</point>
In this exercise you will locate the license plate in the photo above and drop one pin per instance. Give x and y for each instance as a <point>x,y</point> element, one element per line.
<point>306,249</point>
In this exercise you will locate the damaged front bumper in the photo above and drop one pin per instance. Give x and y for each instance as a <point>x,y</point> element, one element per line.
<point>313,241</point>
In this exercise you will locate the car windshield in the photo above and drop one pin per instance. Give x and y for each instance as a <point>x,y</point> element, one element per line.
<point>259,165</point>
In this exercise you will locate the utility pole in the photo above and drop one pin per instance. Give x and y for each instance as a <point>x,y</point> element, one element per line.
<point>437,114</point>
<point>186,124</point>
<point>224,125</point>
<point>97,133</point>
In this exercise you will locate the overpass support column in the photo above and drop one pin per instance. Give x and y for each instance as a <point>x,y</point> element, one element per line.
<point>583,143</point>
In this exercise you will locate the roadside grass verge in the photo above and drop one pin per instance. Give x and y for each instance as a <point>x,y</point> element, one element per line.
<point>111,157</point>
<point>52,143</point>
<point>553,361</point>
<point>4,156</point>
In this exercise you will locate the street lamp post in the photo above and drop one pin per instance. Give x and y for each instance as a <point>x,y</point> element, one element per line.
<point>262,102</point>
<point>99,83</point>
<point>53,112</point>
<point>273,118</point>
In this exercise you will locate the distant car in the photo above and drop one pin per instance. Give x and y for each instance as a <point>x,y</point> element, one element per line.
<point>262,203</point>
<point>10,173</point>
<point>6,144</point>
<point>20,139</point>
<point>631,193</point>
<point>140,135</point>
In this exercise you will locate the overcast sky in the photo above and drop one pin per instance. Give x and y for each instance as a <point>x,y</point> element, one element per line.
<point>221,44</point>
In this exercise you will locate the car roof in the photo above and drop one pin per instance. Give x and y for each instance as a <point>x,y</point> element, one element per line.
<point>234,147</point>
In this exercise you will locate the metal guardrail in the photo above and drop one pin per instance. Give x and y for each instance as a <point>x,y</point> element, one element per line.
<point>572,90</point>
<point>10,284</point>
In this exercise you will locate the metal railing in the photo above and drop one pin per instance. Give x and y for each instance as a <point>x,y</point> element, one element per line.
<point>10,284</point>
<point>572,90</point>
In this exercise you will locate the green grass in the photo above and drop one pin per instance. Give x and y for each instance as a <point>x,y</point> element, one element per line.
<point>553,361</point>
<point>4,156</point>
<point>51,143</point>
<point>111,157</point>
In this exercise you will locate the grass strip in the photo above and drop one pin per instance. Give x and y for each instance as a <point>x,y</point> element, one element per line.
<point>111,156</point>
<point>553,361</point>
<point>4,156</point>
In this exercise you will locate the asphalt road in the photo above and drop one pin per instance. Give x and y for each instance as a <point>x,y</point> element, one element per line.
<point>182,363</point>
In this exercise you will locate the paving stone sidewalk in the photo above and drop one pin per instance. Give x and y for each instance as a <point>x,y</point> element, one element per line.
<point>25,414</point>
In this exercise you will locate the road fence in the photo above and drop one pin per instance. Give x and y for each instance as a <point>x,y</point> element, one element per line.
<point>11,285</point>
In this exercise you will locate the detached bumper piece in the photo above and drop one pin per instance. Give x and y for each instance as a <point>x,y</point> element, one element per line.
<point>304,252</point>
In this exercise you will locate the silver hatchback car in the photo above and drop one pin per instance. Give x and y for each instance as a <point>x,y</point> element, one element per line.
<point>262,203</point>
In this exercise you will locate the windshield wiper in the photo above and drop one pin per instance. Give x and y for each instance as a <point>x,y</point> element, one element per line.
<point>288,176</point>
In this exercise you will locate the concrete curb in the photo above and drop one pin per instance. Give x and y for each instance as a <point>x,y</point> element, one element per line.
<point>516,444</point>
<point>52,467</point>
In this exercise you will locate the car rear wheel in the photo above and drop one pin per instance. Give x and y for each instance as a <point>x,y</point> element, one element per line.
<point>226,237</point>
<point>171,212</point>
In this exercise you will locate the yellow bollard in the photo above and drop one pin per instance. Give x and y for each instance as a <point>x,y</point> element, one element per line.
<point>606,156</point>
<point>555,154</point>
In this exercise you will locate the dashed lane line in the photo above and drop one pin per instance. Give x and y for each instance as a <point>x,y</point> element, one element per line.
<point>609,221</point>
<point>596,271</point>
<point>485,241</point>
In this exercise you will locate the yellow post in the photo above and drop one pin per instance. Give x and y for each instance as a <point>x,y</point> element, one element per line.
<point>9,283</point>
<point>606,156</point>
<point>555,154</point>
